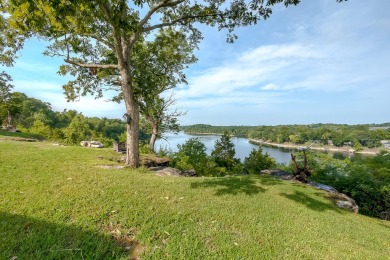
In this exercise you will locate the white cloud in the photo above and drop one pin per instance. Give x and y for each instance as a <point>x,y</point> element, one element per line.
<point>271,87</point>
<point>88,105</point>
<point>243,79</point>
<point>279,52</point>
<point>327,57</point>
<point>36,85</point>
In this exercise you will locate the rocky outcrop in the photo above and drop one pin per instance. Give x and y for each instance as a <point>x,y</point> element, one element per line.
<point>278,174</point>
<point>340,200</point>
<point>343,201</point>
<point>169,171</point>
<point>151,160</point>
<point>92,144</point>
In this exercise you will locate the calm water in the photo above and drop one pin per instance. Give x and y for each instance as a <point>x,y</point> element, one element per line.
<point>241,145</point>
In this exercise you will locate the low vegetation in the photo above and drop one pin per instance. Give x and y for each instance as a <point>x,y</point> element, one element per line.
<point>365,179</point>
<point>192,155</point>
<point>58,203</point>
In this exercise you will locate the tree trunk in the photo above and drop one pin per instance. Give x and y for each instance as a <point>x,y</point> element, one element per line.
<point>153,138</point>
<point>132,119</point>
<point>132,132</point>
<point>301,174</point>
<point>123,51</point>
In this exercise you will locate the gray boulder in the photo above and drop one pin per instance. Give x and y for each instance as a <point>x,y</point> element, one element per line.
<point>169,171</point>
<point>92,144</point>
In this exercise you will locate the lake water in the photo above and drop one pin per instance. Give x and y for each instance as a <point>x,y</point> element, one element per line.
<point>241,145</point>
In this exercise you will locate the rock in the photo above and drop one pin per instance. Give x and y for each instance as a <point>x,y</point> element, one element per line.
<point>343,204</point>
<point>322,187</point>
<point>96,144</point>
<point>84,143</point>
<point>151,160</point>
<point>169,171</point>
<point>278,174</point>
<point>189,173</point>
<point>93,144</point>
<point>343,201</point>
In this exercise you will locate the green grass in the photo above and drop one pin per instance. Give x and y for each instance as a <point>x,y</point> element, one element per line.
<point>56,203</point>
<point>19,135</point>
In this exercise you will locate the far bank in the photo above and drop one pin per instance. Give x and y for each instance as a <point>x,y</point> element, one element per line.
<point>317,147</point>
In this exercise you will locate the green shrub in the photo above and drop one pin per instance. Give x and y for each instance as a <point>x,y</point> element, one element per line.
<point>223,153</point>
<point>366,180</point>
<point>192,155</point>
<point>144,149</point>
<point>257,161</point>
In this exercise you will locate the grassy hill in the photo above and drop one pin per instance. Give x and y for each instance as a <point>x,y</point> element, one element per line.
<point>56,202</point>
<point>19,136</point>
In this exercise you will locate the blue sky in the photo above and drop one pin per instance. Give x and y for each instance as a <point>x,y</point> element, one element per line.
<point>318,62</point>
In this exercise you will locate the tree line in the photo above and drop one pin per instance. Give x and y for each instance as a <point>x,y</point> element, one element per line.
<point>31,115</point>
<point>35,116</point>
<point>357,136</point>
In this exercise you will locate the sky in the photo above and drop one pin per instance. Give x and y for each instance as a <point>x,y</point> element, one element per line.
<point>318,62</point>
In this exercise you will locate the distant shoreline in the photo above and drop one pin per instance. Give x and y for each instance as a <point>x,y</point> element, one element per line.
<point>322,148</point>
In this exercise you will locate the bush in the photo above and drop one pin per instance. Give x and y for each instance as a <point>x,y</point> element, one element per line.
<point>192,155</point>
<point>257,161</point>
<point>223,153</point>
<point>366,180</point>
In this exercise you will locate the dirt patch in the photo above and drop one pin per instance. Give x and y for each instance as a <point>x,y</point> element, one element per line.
<point>126,239</point>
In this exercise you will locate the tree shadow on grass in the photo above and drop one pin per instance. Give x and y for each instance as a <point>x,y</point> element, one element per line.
<point>23,237</point>
<point>386,226</point>
<point>269,180</point>
<point>310,202</point>
<point>231,185</point>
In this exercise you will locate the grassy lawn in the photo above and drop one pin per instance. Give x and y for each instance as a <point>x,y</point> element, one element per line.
<point>56,203</point>
<point>18,135</point>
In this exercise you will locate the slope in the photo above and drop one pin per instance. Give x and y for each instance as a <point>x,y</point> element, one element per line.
<point>56,202</point>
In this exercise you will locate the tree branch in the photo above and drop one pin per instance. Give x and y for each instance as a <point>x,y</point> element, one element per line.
<point>155,9</point>
<point>161,25</point>
<point>99,39</point>
<point>86,65</point>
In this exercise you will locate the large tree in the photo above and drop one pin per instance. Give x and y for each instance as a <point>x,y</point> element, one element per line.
<point>5,96</point>
<point>161,116</point>
<point>163,62</point>
<point>83,32</point>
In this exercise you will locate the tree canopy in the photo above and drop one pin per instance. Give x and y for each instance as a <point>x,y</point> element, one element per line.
<point>84,33</point>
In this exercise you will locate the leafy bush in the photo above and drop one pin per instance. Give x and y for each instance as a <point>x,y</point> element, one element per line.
<point>40,128</point>
<point>257,161</point>
<point>366,180</point>
<point>144,149</point>
<point>223,153</point>
<point>192,155</point>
